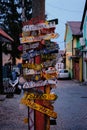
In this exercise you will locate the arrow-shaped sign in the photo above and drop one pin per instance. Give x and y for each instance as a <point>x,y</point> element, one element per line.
<point>39,38</point>
<point>33,96</point>
<point>39,108</point>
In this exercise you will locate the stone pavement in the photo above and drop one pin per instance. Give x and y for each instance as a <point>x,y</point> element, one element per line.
<point>12,114</point>
<point>2,97</point>
<point>71,107</point>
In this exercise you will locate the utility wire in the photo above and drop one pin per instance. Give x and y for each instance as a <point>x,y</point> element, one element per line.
<point>63,9</point>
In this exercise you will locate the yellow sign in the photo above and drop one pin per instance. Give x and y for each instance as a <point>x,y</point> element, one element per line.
<point>40,96</point>
<point>39,108</point>
<point>39,38</point>
<point>32,66</point>
<point>48,104</point>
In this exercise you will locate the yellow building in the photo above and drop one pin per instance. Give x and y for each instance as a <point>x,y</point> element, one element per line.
<point>73,49</point>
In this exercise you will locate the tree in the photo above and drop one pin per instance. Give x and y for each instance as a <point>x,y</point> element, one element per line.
<point>11,12</point>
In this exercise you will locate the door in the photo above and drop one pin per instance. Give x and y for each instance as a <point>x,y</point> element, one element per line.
<point>76,70</point>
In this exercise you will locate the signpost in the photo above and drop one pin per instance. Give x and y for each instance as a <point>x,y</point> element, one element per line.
<point>33,96</point>
<point>39,81</point>
<point>29,39</point>
<point>39,108</point>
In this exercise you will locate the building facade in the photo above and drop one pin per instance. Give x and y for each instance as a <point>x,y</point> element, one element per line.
<point>84,41</point>
<point>73,49</point>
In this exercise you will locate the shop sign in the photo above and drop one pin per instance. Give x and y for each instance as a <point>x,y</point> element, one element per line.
<point>39,108</point>
<point>33,96</point>
<point>38,38</point>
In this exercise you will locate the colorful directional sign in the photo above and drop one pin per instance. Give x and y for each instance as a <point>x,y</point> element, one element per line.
<point>48,104</point>
<point>32,66</point>
<point>39,108</point>
<point>32,84</point>
<point>29,55</point>
<point>38,26</point>
<point>33,96</point>
<point>38,38</point>
<point>49,75</point>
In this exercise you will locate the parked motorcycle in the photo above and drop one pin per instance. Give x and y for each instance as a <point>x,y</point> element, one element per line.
<point>13,82</point>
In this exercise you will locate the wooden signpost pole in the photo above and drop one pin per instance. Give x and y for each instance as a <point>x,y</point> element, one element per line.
<point>39,10</point>
<point>48,118</point>
<point>39,117</point>
<point>33,33</point>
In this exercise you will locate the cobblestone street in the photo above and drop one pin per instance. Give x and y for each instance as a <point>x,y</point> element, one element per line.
<point>12,114</point>
<point>71,107</point>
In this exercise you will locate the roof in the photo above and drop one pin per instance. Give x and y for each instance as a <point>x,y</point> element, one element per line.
<point>4,34</point>
<point>75,27</point>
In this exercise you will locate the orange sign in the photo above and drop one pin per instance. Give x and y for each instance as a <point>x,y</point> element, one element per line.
<point>40,96</point>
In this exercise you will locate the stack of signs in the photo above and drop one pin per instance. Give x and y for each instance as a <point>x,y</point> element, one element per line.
<point>36,42</point>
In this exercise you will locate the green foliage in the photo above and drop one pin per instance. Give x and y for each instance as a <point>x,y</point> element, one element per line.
<point>11,19</point>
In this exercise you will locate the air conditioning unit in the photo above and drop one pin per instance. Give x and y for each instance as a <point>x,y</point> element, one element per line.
<point>82,41</point>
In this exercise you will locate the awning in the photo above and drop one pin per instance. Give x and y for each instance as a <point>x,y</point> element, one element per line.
<point>4,34</point>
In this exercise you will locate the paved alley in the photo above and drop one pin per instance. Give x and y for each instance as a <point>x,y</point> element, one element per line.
<point>71,107</point>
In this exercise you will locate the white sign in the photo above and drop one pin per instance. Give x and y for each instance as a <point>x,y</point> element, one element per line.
<point>38,26</point>
<point>33,84</point>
